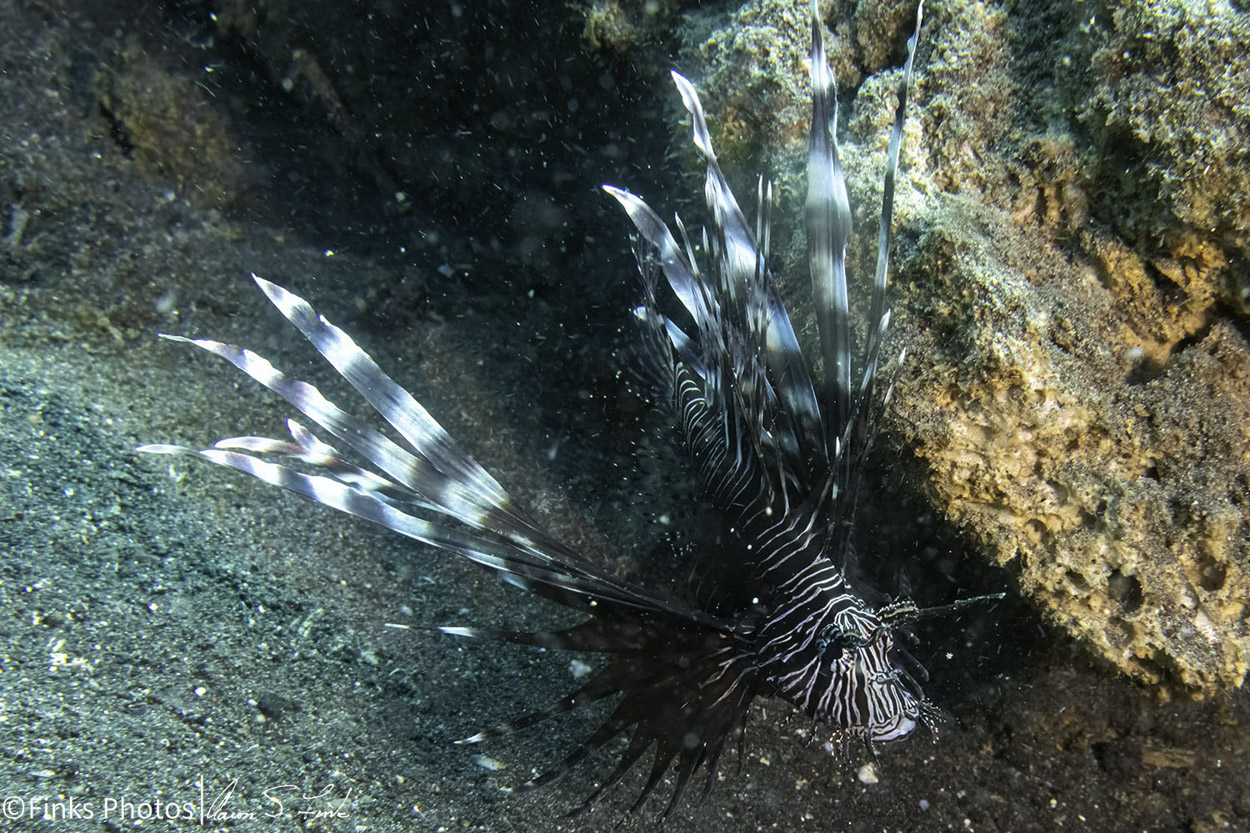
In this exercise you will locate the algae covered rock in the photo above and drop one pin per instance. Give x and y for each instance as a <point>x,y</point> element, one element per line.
<point>1119,495</point>
<point>1169,108</point>
<point>1072,287</point>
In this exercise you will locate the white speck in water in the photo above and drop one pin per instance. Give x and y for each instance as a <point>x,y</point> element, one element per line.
<point>867,774</point>
<point>166,303</point>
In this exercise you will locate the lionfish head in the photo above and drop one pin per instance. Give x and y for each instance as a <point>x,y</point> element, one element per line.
<point>865,687</point>
<point>879,701</point>
<point>846,671</point>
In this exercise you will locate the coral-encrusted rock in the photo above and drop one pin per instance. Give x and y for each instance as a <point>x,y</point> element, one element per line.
<point>1117,484</point>
<point>1078,380</point>
<point>1170,109</point>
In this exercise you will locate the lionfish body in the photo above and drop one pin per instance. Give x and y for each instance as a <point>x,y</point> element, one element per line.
<point>778,460</point>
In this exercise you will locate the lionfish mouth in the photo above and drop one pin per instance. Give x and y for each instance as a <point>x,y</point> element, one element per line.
<point>899,728</point>
<point>780,456</point>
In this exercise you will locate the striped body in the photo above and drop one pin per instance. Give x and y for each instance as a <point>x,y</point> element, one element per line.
<point>779,457</point>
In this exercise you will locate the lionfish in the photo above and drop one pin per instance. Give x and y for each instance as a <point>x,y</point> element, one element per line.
<point>779,462</point>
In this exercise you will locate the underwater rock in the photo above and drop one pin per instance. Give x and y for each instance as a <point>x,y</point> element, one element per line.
<point>1117,488</point>
<point>1078,379</point>
<point>1168,108</point>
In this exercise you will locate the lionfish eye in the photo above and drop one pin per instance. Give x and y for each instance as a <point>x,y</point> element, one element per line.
<point>830,643</point>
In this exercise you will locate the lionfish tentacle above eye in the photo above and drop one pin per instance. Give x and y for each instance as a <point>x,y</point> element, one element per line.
<point>778,459</point>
